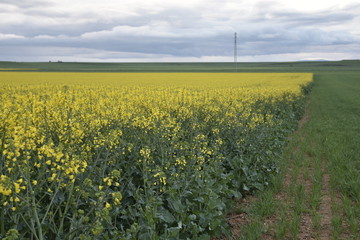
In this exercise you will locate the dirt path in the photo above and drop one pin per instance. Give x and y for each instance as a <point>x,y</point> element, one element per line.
<point>325,206</point>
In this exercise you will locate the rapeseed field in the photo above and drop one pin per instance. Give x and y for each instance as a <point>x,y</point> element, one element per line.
<point>137,155</point>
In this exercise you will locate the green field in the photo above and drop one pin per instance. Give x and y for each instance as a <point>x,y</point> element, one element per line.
<point>317,193</point>
<point>346,65</point>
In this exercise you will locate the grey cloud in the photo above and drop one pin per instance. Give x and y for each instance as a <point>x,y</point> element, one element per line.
<point>27,3</point>
<point>175,32</point>
<point>52,22</point>
<point>315,19</point>
<point>268,42</point>
<point>271,12</point>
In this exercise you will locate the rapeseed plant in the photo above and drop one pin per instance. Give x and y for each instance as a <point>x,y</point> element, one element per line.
<point>89,157</point>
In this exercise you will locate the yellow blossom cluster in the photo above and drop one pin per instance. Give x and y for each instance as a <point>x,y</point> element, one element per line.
<point>55,128</point>
<point>50,125</point>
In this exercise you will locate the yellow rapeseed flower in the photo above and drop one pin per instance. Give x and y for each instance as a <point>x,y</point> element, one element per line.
<point>54,129</point>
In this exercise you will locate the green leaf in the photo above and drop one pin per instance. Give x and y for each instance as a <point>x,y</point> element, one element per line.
<point>200,199</point>
<point>204,237</point>
<point>192,217</point>
<point>236,194</point>
<point>166,216</point>
<point>176,205</point>
<point>172,233</point>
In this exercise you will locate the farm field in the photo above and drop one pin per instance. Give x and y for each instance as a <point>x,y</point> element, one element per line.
<point>116,123</point>
<point>328,66</point>
<point>317,194</point>
<point>138,155</point>
<point>137,172</point>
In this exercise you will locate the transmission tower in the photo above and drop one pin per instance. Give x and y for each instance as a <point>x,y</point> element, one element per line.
<point>235,53</point>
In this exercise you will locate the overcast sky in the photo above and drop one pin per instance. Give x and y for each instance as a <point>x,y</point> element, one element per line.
<point>178,30</point>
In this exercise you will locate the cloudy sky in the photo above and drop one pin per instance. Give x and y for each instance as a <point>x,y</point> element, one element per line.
<point>178,30</point>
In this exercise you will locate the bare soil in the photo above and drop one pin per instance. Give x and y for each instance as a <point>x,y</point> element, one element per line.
<point>325,206</point>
